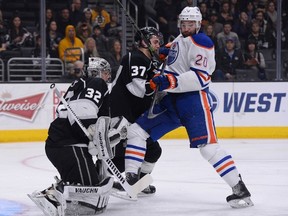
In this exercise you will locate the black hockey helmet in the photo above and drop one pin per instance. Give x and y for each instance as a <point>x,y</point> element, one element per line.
<point>148,32</point>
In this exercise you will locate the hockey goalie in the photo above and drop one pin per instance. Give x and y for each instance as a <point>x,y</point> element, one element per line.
<point>83,188</point>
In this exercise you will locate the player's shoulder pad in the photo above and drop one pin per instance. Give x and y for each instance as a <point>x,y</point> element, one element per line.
<point>203,40</point>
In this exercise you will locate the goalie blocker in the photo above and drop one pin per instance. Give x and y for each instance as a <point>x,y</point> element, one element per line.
<point>106,134</point>
<point>66,200</point>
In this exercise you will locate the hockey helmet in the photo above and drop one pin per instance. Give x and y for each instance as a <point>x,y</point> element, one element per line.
<point>148,32</point>
<point>191,14</point>
<point>99,67</point>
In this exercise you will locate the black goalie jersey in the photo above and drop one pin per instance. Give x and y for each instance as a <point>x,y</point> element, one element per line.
<point>89,99</point>
<point>131,94</point>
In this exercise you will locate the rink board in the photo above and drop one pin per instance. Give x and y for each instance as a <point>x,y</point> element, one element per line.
<point>241,110</point>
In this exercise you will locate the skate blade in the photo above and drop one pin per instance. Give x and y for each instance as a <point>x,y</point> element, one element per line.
<point>122,195</point>
<point>241,203</point>
<point>42,203</point>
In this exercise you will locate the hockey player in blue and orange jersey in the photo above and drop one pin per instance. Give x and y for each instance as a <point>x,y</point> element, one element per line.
<point>186,79</point>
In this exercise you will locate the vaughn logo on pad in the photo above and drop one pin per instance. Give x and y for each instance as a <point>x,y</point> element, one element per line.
<point>24,108</point>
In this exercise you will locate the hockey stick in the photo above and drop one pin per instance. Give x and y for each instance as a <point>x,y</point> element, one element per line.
<point>151,115</point>
<point>131,20</point>
<point>132,190</point>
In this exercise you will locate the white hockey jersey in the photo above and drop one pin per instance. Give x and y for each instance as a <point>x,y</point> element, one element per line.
<point>192,60</point>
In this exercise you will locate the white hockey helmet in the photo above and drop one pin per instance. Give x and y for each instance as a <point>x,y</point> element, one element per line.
<point>191,14</point>
<point>99,67</point>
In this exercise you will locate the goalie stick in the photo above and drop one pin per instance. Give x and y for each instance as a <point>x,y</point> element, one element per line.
<point>131,20</point>
<point>132,190</point>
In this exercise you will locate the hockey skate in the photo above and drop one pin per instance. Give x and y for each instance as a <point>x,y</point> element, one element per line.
<point>240,197</point>
<point>47,203</point>
<point>132,178</point>
<point>64,199</point>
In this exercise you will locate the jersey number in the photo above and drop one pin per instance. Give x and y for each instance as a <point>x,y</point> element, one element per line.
<point>201,61</point>
<point>95,95</point>
<point>138,70</point>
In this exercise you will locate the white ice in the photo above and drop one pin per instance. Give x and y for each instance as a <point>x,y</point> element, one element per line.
<point>186,183</point>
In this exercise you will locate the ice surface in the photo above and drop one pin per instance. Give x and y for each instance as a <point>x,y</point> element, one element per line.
<point>186,183</point>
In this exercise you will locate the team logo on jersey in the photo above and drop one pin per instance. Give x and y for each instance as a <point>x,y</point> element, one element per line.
<point>24,108</point>
<point>173,53</point>
<point>213,100</point>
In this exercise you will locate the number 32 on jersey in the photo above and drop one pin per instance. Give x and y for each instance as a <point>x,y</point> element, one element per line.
<point>93,94</point>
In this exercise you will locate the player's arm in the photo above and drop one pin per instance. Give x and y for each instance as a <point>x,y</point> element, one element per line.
<point>198,77</point>
<point>137,83</point>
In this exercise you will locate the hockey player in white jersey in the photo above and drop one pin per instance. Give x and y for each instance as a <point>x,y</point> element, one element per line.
<point>82,190</point>
<point>186,79</point>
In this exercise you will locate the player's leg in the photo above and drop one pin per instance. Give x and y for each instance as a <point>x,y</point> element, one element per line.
<point>144,128</point>
<point>152,155</point>
<point>199,124</point>
<point>74,164</point>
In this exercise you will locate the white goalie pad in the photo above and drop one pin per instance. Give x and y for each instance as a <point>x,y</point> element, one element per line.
<point>75,200</point>
<point>87,200</point>
<point>101,140</point>
<point>50,201</point>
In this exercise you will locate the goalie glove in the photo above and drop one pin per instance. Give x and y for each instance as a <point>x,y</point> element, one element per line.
<point>118,130</point>
<point>168,81</point>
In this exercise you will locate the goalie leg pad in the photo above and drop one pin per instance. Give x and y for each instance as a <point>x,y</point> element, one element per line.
<point>87,200</point>
<point>44,204</point>
<point>50,201</point>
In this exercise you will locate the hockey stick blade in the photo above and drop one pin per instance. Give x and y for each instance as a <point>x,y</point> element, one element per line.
<point>152,115</point>
<point>138,187</point>
<point>131,190</point>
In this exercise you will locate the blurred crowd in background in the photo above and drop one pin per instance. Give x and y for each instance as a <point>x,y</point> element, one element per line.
<point>244,32</point>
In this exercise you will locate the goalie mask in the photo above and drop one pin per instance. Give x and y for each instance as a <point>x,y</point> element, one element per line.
<point>191,14</point>
<point>99,67</point>
<point>147,32</point>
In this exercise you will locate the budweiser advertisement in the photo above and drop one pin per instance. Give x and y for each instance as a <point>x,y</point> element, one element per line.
<point>28,106</point>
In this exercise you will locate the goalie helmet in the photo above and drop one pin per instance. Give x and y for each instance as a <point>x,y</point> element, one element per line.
<point>191,14</point>
<point>99,67</point>
<point>147,32</point>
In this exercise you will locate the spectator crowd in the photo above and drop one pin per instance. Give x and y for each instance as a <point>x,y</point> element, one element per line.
<point>240,30</point>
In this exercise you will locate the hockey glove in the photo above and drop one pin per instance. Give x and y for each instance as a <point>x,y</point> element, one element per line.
<point>163,51</point>
<point>149,91</point>
<point>168,81</point>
